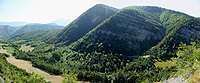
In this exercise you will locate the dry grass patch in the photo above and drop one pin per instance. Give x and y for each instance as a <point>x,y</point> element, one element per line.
<point>30,69</point>
<point>165,64</point>
<point>26,48</point>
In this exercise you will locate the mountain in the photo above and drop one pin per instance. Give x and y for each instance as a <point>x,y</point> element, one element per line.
<point>83,24</point>
<point>5,31</point>
<point>14,24</point>
<point>36,26</point>
<point>179,27</point>
<point>198,18</point>
<point>128,32</point>
<point>62,21</point>
<point>137,31</point>
<point>134,30</point>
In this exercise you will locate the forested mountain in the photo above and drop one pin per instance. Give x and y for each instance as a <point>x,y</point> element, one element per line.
<point>133,30</point>
<point>5,31</point>
<point>83,24</point>
<point>179,28</point>
<point>129,32</point>
<point>33,27</point>
<point>198,18</point>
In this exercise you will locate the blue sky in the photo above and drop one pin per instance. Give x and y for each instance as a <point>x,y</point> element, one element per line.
<point>44,11</point>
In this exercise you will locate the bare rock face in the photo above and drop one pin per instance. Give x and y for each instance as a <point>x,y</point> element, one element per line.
<point>179,79</point>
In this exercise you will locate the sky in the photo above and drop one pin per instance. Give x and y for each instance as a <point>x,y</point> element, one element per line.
<point>45,11</point>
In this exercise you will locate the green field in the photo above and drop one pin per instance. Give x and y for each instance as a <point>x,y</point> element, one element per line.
<point>10,49</point>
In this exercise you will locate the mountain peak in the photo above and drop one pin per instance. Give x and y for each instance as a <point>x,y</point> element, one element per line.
<point>101,5</point>
<point>84,23</point>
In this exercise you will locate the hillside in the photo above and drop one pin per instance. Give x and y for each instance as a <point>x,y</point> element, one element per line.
<point>37,35</point>
<point>179,28</point>
<point>5,31</point>
<point>10,73</point>
<point>83,24</point>
<point>33,27</point>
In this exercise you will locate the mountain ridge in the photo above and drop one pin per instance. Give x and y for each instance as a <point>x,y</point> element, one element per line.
<point>83,24</point>
<point>5,31</point>
<point>14,24</point>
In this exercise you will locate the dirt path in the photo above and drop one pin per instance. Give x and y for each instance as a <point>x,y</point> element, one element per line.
<point>29,68</point>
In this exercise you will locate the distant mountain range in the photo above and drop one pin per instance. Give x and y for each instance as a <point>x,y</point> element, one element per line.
<point>62,21</point>
<point>7,31</point>
<point>14,24</point>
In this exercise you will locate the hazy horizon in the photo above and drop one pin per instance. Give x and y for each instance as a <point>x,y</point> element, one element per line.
<point>47,11</point>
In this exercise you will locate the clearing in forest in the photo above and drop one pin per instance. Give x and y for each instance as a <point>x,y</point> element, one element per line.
<point>26,48</point>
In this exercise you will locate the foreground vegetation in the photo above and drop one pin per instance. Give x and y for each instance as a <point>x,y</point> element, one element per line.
<point>99,67</point>
<point>96,67</point>
<point>12,74</point>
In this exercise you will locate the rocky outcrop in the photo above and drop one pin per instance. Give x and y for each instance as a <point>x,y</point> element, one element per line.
<point>1,80</point>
